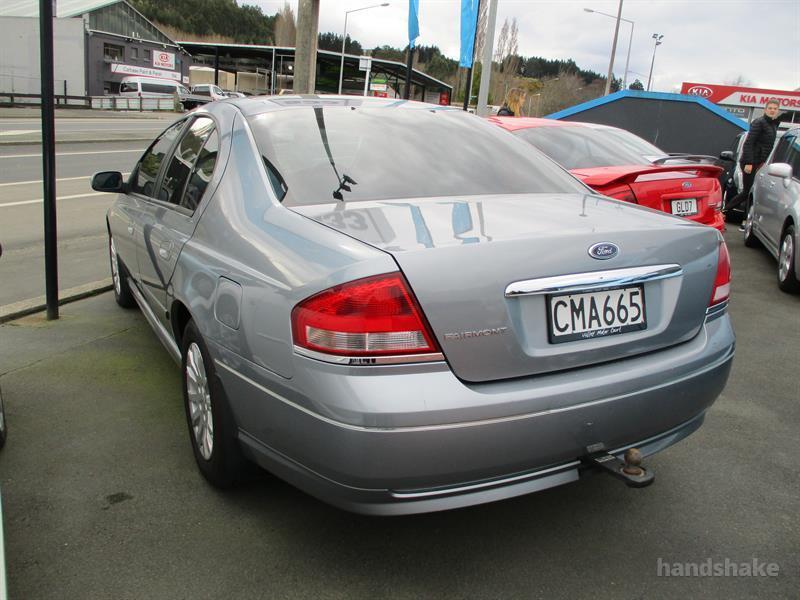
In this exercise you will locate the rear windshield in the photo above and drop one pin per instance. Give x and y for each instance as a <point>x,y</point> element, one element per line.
<point>325,154</point>
<point>586,147</point>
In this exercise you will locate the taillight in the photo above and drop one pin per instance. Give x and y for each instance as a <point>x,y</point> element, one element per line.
<point>375,316</point>
<point>722,282</point>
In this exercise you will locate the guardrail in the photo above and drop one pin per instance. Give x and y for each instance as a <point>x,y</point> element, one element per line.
<point>92,102</point>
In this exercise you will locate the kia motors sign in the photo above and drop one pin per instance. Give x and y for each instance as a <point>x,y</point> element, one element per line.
<point>731,95</point>
<point>163,60</point>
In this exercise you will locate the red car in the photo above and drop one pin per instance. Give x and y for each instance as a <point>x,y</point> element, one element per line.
<point>619,164</point>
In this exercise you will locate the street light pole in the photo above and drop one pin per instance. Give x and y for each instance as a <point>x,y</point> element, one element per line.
<point>630,42</point>
<point>344,38</point>
<point>613,51</point>
<point>657,39</point>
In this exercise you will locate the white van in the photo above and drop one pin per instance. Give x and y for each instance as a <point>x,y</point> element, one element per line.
<point>150,87</point>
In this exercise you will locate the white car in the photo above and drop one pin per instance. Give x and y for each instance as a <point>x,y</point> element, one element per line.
<point>209,89</point>
<point>150,87</point>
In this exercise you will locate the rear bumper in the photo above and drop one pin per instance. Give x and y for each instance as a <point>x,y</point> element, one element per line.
<point>346,445</point>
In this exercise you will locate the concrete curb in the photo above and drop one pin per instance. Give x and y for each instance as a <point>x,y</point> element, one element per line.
<point>10,312</point>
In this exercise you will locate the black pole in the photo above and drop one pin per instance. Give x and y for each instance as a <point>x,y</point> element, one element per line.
<point>468,91</point>
<point>216,66</point>
<point>409,64</point>
<point>48,158</point>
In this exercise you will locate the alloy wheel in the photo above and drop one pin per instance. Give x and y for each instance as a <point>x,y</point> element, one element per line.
<point>199,393</point>
<point>785,257</point>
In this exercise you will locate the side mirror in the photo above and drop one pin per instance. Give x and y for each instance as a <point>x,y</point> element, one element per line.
<point>109,181</point>
<point>727,155</point>
<point>782,170</point>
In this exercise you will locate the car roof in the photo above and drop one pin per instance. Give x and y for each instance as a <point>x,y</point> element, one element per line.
<point>255,105</point>
<point>517,123</point>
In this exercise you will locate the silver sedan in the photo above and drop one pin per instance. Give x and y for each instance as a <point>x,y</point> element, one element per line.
<point>400,308</point>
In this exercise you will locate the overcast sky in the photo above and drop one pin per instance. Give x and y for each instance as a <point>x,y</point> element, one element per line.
<point>708,41</point>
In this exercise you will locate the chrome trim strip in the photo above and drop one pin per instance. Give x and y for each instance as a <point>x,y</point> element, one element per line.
<point>582,282</point>
<point>712,312</point>
<point>487,484</point>
<point>161,332</point>
<point>358,361</point>
<point>710,367</point>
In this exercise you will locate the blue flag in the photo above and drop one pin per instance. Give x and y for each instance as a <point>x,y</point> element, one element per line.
<point>469,20</point>
<point>413,22</point>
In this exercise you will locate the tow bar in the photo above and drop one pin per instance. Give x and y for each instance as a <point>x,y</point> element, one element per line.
<point>630,471</point>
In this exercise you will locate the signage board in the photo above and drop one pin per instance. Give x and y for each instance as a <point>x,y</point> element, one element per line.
<point>121,69</point>
<point>163,59</point>
<point>731,95</point>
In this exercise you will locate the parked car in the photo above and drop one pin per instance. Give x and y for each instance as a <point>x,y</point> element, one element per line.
<point>209,90</point>
<point>150,87</point>
<point>232,94</point>
<point>399,308</point>
<point>619,164</point>
<point>773,217</point>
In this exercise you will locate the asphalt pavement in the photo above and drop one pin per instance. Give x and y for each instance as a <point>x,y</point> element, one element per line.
<point>102,499</point>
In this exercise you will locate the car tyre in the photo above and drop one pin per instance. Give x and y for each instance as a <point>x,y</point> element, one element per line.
<point>750,239</point>
<point>119,276</point>
<point>212,429</point>
<point>787,273</point>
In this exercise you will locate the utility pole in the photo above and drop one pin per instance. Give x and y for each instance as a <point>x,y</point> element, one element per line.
<point>486,66</point>
<point>613,51</point>
<point>305,59</point>
<point>48,157</point>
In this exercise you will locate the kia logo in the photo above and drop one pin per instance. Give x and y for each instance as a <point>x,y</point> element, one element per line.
<point>701,90</point>
<point>603,251</point>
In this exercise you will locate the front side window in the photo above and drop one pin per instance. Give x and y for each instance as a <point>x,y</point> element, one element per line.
<point>146,172</point>
<point>183,161</point>
<point>781,150</point>
<point>793,157</point>
<point>335,152</point>
<point>586,147</point>
<point>129,87</point>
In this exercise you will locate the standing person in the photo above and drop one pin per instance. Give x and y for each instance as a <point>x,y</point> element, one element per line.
<point>513,103</point>
<point>757,147</point>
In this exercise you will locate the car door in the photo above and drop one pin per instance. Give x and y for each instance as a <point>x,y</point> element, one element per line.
<point>126,215</point>
<point>168,218</point>
<point>769,213</point>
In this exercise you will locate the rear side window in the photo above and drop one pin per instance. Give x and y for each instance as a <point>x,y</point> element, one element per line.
<point>575,147</point>
<point>201,174</point>
<point>146,172</point>
<point>158,88</point>
<point>201,91</point>
<point>184,160</point>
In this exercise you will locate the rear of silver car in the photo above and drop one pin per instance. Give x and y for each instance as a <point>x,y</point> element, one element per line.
<point>502,406</point>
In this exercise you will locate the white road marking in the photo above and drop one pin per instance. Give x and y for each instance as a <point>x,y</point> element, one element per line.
<point>58,198</point>
<point>72,153</point>
<point>19,131</point>
<point>57,180</point>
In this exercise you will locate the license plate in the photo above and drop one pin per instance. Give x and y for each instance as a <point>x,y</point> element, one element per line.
<point>595,314</point>
<point>684,207</point>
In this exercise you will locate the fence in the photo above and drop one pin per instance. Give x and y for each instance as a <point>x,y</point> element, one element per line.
<point>94,102</point>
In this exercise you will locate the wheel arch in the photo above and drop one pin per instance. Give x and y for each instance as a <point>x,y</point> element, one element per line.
<point>179,317</point>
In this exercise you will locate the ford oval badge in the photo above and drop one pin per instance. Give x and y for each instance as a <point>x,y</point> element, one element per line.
<point>603,251</point>
<point>687,185</point>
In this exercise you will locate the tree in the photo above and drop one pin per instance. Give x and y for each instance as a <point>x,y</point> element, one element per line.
<point>333,42</point>
<point>636,85</point>
<point>285,28</point>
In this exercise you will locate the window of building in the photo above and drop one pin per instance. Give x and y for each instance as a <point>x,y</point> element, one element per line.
<point>113,52</point>
<point>135,53</point>
<point>147,54</point>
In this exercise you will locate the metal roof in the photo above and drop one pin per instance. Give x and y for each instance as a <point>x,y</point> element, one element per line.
<point>64,8</point>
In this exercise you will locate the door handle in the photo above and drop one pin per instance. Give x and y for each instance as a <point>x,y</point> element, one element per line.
<point>130,229</point>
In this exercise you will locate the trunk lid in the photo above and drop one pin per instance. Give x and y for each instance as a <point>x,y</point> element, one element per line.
<point>670,189</point>
<point>460,255</point>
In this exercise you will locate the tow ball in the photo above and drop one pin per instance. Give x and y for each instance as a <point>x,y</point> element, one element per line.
<point>630,470</point>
